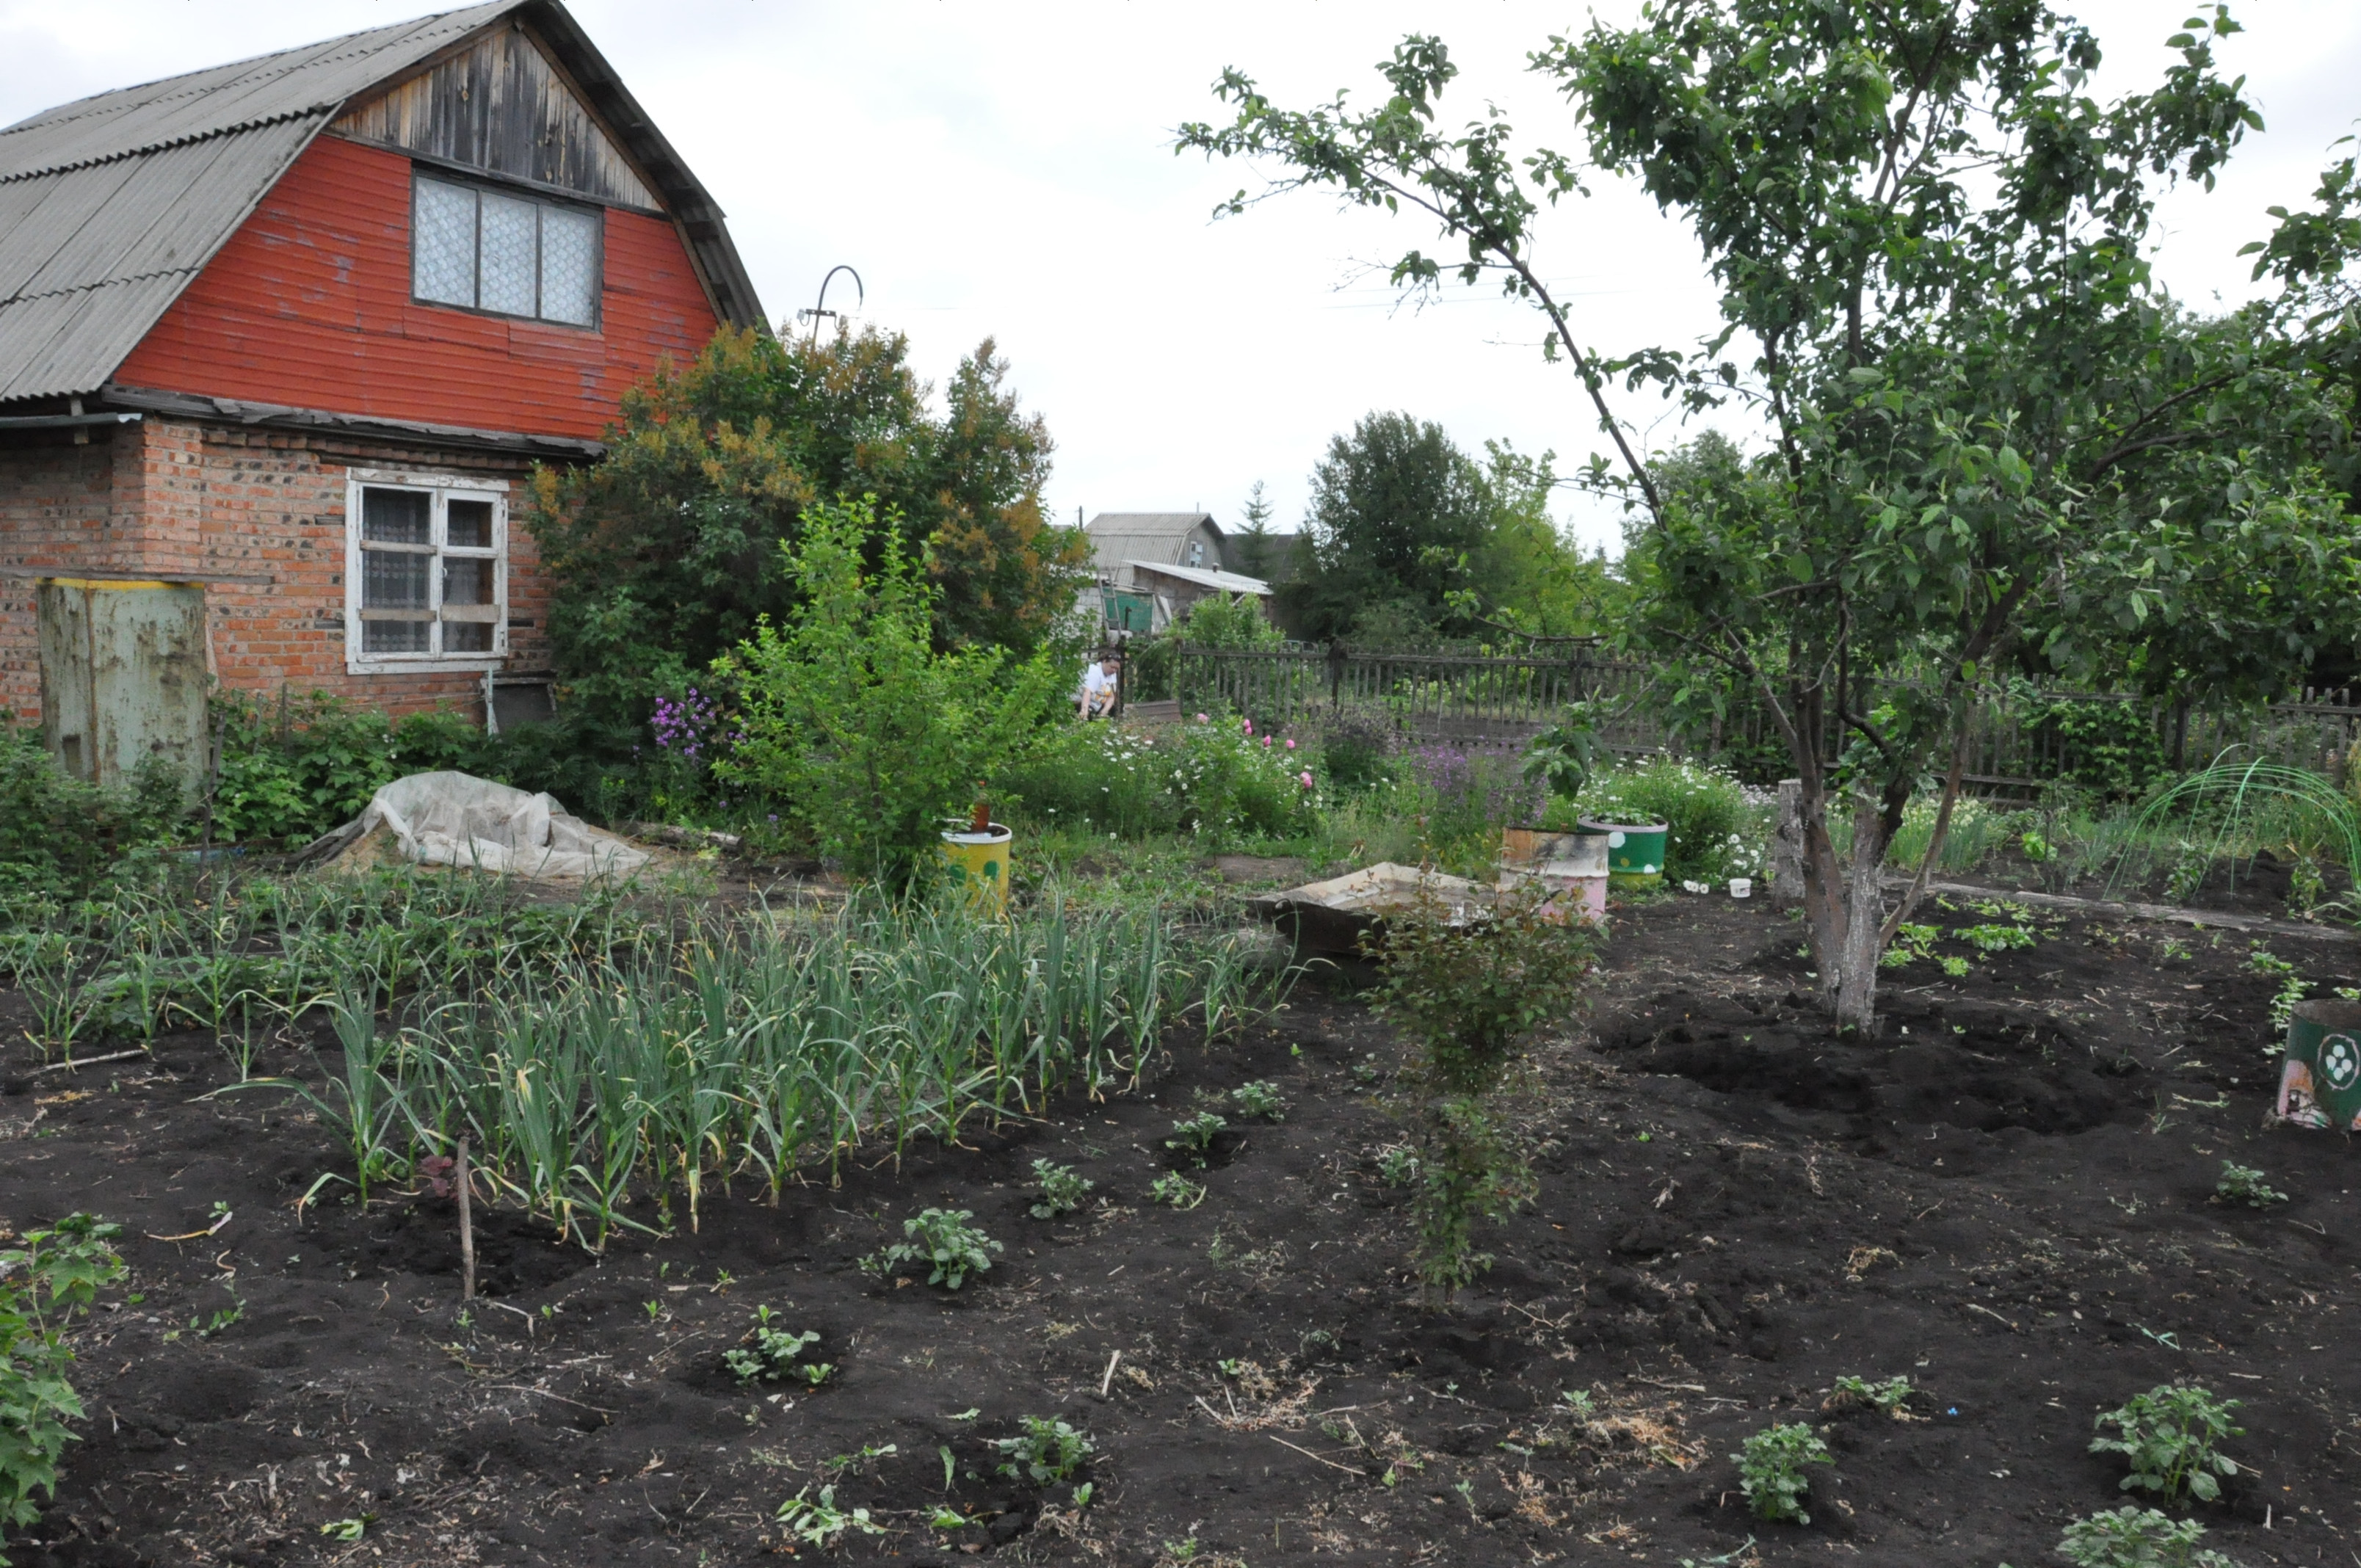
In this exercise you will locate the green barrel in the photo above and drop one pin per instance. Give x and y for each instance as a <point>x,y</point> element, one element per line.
<point>1635,850</point>
<point>2319,1083</point>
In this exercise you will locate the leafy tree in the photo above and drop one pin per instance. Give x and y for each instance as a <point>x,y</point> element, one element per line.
<point>1932,240</point>
<point>665,553</point>
<point>852,718</point>
<point>1396,510</point>
<point>1528,577</point>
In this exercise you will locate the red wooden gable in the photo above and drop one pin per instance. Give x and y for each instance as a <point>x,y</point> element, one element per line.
<point>309,306</point>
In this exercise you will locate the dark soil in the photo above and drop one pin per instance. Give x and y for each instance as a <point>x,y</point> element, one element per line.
<point>2007,1199</point>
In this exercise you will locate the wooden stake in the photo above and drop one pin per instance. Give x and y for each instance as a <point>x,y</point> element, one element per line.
<point>466,1231</point>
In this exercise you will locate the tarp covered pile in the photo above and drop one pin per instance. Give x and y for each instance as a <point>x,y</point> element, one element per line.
<point>457,819</point>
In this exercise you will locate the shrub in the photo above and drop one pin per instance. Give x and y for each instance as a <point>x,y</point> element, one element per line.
<point>59,834</point>
<point>1469,989</point>
<point>945,1241</point>
<point>1356,751</point>
<point>2138,1538</point>
<point>1046,1451</point>
<point>1103,777</point>
<point>44,1285</point>
<point>1476,791</point>
<point>2110,749</point>
<point>2245,1184</point>
<point>1770,1471</point>
<point>2168,1434</point>
<point>1230,782</point>
<point>852,721</point>
<point>1063,1189</point>
<point>1713,833</point>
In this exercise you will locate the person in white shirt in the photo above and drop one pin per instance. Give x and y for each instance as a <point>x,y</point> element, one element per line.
<point>1099,682</point>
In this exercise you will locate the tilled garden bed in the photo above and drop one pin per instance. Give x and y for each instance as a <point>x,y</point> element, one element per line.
<point>2008,1198</point>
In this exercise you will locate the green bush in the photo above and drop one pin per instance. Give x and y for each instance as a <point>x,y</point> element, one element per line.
<point>852,722</point>
<point>58,835</point>
<point>1215,777</point>
<point>1713,833</point>
<point>2110,749</point>
<point>44,1285</point>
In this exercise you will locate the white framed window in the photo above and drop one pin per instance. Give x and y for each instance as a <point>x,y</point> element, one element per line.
<point>426,579</point>
<point>505,252</point>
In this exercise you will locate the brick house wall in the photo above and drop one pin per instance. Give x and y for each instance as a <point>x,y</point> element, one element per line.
<point>181,497</point>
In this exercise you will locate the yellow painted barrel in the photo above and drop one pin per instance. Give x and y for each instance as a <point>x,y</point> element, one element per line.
<point>979,863</point>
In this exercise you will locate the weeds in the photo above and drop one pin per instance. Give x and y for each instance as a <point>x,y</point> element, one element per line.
<point>1261,1099</point>
<point>2168,1435</point>
<point>1887,1397</point>
<point>946,1243</point>
<point>1770,1471</point>
<point>1063,1189</point>
<point>2245,1184</point>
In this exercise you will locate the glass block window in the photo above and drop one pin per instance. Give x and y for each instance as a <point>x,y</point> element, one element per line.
<point>511,254</point>
<point>428,574</point>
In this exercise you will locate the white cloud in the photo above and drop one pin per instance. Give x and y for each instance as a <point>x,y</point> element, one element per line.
<point>1006,169</point>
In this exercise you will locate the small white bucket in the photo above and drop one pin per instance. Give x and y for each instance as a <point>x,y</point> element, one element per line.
<point>1741,887</point>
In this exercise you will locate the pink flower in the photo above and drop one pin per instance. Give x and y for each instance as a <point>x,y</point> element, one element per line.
<point>1249,723</point>
<point>1290,745</point>
<point>1306,777</point>
<point>1265,743</point>
<point>1201,719</point>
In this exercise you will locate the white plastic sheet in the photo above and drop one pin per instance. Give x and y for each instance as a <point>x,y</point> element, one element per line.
<point>457,819</point>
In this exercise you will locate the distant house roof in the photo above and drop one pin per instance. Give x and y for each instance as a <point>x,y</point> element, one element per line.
<point>110,205</point>
<point>1228,582</point>
<point>1146,536</point>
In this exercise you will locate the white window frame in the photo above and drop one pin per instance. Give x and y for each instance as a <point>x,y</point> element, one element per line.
<point>542,204</point>
<point>444,489</point>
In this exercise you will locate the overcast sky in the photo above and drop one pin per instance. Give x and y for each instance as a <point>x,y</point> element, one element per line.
<point>1006,169</point>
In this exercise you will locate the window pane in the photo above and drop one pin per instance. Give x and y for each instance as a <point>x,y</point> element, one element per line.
<point>397,517</point>
<point>569,265</point>
<point>466,581</point>
<point>442,244</point>
<point>394,582</point>
<point>508,256</point>
<point>470,525</point>
<point>395,636</point>
<point>467,637</point>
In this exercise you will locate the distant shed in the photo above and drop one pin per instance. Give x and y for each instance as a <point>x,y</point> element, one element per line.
<point>1152,566</point>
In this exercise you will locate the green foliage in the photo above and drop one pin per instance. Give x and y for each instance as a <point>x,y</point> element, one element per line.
<point>1192,1137</point>
<point>667,553</point>
<point>1222,621</point>
<point>1355,752</point>
<point>1770,1471</point>
<point>2238,800</point>
<point>2168,1435</point>
<point>1711,833</point>
<point>817,1522</point>
<point>1045,1450</point>
<point>1177,1191</point>
<point>2245,1184</point>
<point>1395,512</point>
<point>1063,1189</point>
<point>1216,779</point>
<point>1468,987</point>
<point>2138,1538</point>
<point>852,723</point>
<point>2110,749</point>
<point>769,1354</point>
<point>1993,938</point>
<point>294,767</point>
<point>45,1283</point>
<point>1260,1098</point>
<point>59,835</point>
<point>945,1241</point>
<point>1889,1395</point>
<point>1564,756</point>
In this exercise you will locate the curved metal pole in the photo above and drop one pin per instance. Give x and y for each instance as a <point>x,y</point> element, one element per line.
<point>819,307</point>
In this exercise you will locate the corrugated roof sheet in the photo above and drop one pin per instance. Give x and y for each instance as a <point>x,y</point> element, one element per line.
<point>110,204</point>
<point>1204,577</point>
<point>291,83</point>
